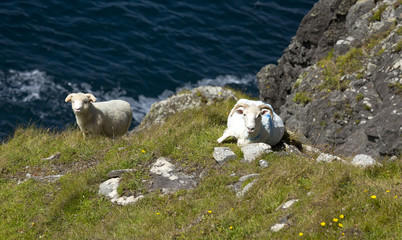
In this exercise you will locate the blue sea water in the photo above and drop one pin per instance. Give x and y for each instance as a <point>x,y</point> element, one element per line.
<point>140,51</point>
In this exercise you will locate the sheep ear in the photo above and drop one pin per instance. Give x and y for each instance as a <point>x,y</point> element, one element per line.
<point>69,97</point>
<point>238,108</point>
<point>265,109</point>
<point>91,97</point>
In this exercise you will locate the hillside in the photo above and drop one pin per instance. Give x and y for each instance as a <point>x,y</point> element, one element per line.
<point>50,181</point>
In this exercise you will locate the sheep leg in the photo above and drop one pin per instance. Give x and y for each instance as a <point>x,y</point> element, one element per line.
<point>227,133</point>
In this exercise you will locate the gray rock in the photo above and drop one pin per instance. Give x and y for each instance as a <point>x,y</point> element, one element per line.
<point>362,160</point>
<point>264,163</point>
<point>240,192</point>
<point>53,157</point>
<point>255,150</point>
<point>323,157</point>
<point>167,178</point>
<point>119,172</point>
<point>195,98</point>
<point>223,154</point>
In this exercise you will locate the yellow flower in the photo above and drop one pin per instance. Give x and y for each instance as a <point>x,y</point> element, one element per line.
<point>300,234</point>
<point>388,191</point>
<point>341,216</point>
<point>335,219</point>
<point>373,196</point>
<point>323,224</point>
<point>220,93</point>
<point>157,213</point>
<point>365,190</point>
<point>209,211</point>
<point>322,66</point>
<point>343,234</point>
<point>230,227</point>
<point>396,196</point>
<point>340,225</point>
<point>143,151</point>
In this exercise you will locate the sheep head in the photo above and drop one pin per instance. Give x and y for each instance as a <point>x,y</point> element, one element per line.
<point>252,115</point>
<point>80,102</point>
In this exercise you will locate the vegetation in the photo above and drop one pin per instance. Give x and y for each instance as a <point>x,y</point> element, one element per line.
<point>302,98</point>
<point>377,15</point>
<point>335,200</point>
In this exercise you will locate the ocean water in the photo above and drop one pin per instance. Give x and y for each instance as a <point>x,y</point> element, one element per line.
<point>141,51</point>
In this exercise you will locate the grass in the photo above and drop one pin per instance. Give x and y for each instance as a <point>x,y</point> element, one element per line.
<point>71,208</point>
<point>302,98</point>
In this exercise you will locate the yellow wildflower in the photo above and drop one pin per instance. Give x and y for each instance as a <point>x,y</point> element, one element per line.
<point>143,151</point>
<point>343,234</point>
<point>340,225</point>
<point>300,234</point>
<point>209,211</point>
<point>365,190</point>
<point>373,196</point>
<point>335,219</point>
<point>323,224</point>
<point>157,213</point>
<point>388,191</point>
<point>396,196</point>
<point>230,227</point>
<point>341,216</point>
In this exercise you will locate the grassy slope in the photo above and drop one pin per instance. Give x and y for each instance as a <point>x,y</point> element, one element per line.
<point>70,208</point>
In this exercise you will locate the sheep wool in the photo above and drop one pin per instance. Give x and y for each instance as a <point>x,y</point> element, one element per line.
<point>109,118</point>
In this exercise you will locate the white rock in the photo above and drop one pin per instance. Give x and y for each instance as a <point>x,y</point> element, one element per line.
<point>264,163</point>
<point>109,188</point>
<point>163,168</point>
<point>255,150</point>
<point>246,188</point>
<point>223,154</point>
<point>287,204</point>
<point>277,227</point>
<point>323,157</point>
<point>363,160</point>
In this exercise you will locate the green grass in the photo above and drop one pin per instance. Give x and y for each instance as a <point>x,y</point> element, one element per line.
<point>302,98</point>
<point>71,208</point>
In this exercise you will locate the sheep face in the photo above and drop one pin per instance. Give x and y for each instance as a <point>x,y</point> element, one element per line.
<point>252,116</point>
<point>80,102</point>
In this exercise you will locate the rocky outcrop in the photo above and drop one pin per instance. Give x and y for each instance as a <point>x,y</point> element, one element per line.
<point>338,83</point>
<point>187,99</point>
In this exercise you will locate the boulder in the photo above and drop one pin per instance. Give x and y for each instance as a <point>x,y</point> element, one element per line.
<point>255,150</point>
<point>362,160</point>
<point>223,154</point>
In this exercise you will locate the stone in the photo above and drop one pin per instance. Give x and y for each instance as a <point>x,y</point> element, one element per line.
<point>167,178</point>
<point>119,172</point>
<point>323,157</point>
<point>223,154</point>
<point>287,204</point>
<point>255,150</point>
<point>240,192</point>
<point>277,227</point>
<point>263,163</point>
<point>53,157</point>
<point>194,98</point>
<point>246,188</point>
<point>362,160</point>
<point>109,188</point>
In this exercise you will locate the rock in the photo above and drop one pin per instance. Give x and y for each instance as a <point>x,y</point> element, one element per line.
<point>109,190</point>
<point>53,157</point>
<point>255,150</point>
<point>240,192</point>
<point>362,160</point>
<point>223,154</point>
<point>195,98</point>
<point>246,188</point>
<point>264,163</point>
<point>323,157</point>
<point>287,204</point>
<point>277,227</point>
<point>167,178</point>
<point>119,172</point>
<point>52,178</point>
<point>360,113</point>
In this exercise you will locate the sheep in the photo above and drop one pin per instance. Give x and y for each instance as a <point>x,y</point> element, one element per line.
<point>110,118</point>
<point>253,121</point>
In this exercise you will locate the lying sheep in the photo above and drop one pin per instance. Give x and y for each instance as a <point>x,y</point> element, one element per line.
<point>110,118</point>
<point>253,121</point>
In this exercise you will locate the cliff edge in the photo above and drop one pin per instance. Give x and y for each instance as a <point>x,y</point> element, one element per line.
<point>339,82</point>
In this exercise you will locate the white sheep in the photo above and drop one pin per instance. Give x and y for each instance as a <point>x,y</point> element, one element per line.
<point>253,121</point>
<point>110,118</point>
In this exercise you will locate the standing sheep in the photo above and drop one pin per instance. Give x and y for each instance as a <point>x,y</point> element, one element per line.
<point>253,121</point>
<point>110,118</point>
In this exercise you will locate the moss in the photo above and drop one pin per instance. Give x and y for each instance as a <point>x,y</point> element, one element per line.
<point>302,98</point>
<point>398,46</point>
<point>359,97</point>
<point>396,87</point>
<point>399,30</point>
<point>367,107</point>
<point>377,15</point>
